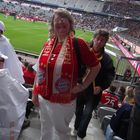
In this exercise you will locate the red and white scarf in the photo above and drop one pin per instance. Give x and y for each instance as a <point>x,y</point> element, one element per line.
<point>63,68</point>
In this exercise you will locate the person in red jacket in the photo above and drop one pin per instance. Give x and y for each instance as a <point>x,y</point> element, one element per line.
<point>29,75</point>
<point>109,97</point>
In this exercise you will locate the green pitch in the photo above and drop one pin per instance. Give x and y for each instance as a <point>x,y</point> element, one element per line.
<point>29,36</point>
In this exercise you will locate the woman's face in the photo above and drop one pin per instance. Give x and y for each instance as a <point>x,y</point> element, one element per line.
<point>61,26</point>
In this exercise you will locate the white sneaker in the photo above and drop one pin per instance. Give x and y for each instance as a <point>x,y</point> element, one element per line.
<point>74,133</point>
<point>78,138</point>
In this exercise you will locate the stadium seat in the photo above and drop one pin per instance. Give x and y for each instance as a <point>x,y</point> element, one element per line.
<point>103,111</point>
<point>117,138</point>
<point>105,122</point>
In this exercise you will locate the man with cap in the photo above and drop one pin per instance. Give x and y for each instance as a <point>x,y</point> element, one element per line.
<point>7,49</point>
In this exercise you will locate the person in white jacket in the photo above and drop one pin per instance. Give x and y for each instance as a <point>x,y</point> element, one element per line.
<point>7,49</point>
<point>2,59</point>
<point>13,98</point>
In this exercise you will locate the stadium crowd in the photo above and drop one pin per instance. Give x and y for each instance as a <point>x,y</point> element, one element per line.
<point>122,9</point>
<point>87,21</point>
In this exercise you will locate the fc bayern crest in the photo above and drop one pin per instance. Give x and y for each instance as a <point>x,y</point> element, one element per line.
<point>62,85</point>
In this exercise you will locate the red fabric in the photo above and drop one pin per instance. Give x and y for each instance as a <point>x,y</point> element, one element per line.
<point>109,99</point>
<point>29,77</point>
<point>23,68</point>
<point>88,59</point>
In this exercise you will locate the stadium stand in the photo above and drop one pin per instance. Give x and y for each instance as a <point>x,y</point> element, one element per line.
<point>128,10</point>
<point>89,21</point>
<point>70,4</point>
<point>88,14</point>
<point>94,6</point>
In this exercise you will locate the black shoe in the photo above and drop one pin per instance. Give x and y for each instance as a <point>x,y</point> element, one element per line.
<point>95,115</point>
<point>26,124</point>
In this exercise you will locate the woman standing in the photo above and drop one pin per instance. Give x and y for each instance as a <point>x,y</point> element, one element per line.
<point>56,85</point>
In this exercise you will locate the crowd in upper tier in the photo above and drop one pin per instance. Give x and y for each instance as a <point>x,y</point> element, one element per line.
<point>82,20</point>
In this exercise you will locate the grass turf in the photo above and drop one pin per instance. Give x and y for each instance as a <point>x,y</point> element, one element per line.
<point>29,36</point>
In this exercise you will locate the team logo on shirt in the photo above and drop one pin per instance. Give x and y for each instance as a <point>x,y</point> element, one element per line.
<point>62,85</point>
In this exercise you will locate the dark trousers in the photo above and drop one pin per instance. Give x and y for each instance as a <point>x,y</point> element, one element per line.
<point>29,106</point>
<point>84,109</point>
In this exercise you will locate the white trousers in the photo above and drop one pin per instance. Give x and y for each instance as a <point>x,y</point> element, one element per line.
<point>55,119</point>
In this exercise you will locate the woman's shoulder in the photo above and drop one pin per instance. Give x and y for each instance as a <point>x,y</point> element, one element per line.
<point>81,41</point>
<point>126,107</point>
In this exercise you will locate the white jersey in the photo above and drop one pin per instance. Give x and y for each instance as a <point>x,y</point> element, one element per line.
<point>12,63</point>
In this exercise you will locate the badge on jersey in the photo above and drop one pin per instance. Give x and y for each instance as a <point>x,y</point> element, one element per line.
<point>62,85</point>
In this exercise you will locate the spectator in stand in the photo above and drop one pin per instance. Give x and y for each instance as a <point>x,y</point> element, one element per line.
<point>128,94</point>
<point>56,84</point>
<point>121,93</point>
<point>29,75</point>
<point>89,99</point>
<point>120,120</point>
<point>24,65</point>
<point>109,98</point>
<point>3,59</point>
<point>87,21</point>
<point>127,74</point>
<point>20,58</point>
<point>7,49</point>
<point>107,71</point>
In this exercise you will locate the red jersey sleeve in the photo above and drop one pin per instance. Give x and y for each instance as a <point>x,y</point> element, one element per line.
<point>88,57</point>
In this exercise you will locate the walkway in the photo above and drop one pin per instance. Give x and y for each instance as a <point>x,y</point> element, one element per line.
<point>33,132</point>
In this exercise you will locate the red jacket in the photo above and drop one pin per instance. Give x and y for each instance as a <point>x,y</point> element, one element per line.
<point>29,77</point>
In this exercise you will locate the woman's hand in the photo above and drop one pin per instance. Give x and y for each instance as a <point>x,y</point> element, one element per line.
<point>78,88</point>
<point>35,100</point>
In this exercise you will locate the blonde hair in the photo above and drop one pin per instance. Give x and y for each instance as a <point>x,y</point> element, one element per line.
<point>50,32</point>
<point>65,14</point>
<point>129,91</point>
<point>129,98</point>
